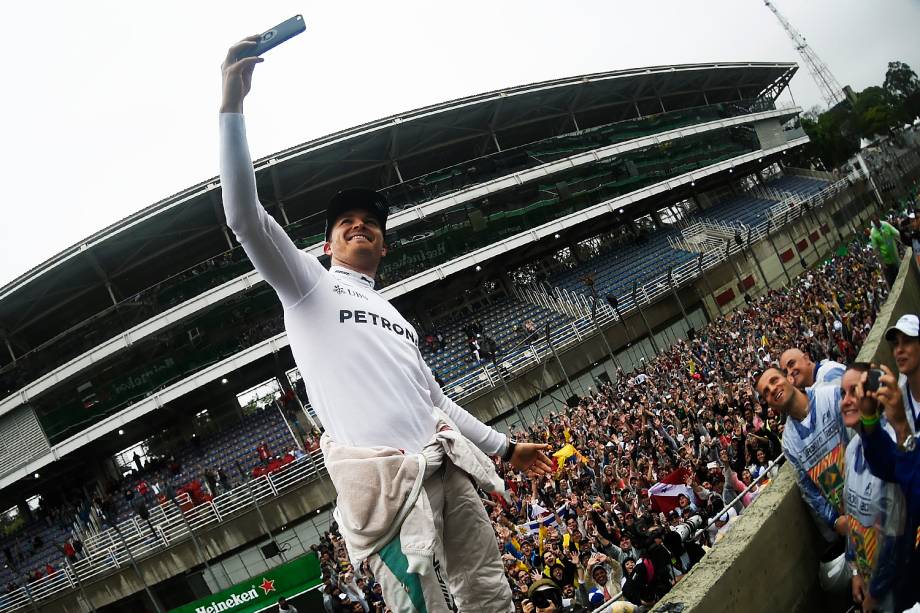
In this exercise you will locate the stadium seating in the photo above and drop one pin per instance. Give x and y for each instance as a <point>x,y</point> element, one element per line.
<point>472,172</point>
<point>803,186</point>
<point>615,271</point>
<point>229,449</point>
<point>233,446</point>
<point>651,165</point>
<point>454,360</point>
<point>27,559</point>
<point>743,208</point>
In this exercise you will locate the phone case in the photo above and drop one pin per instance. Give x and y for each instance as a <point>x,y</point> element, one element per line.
<point>275,36</point>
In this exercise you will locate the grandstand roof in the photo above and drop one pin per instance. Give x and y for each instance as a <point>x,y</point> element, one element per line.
<point>187,227</point>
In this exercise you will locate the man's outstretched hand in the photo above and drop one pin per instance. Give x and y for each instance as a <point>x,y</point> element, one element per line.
<point>237,76</point>
<point>532,459</point>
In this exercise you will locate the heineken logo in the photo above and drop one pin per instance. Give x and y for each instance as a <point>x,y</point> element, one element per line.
<point>239,598</point>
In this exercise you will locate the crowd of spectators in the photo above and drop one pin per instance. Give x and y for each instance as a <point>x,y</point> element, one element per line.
<point>689,416</point>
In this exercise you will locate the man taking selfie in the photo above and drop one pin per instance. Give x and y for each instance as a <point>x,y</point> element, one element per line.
<point>393,439</point>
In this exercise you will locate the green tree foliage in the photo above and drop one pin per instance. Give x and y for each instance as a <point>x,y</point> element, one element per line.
<point>900,80</point>
<point>832,137</point>
<point>903,86</point>
<point>875,112</point>
<point>878,110</point>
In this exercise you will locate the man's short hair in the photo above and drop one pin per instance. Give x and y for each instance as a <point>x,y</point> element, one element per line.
<point>860,366</point>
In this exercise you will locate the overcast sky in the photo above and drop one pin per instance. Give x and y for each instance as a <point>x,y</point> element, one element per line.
<point>108,108</point>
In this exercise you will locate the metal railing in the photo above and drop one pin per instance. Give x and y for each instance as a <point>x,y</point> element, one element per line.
<point>564,336</point>
<point>106,552</point>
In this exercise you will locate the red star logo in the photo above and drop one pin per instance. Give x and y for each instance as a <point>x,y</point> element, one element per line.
<point>268,585</point>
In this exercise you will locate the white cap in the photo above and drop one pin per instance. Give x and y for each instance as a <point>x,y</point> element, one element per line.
<point>908,324</point>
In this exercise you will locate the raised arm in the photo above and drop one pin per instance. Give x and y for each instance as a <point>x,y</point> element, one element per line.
<point>291,272</point>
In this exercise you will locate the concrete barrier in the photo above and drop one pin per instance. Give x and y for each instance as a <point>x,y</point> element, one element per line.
<point>768,561</point>
<point>904,298</point>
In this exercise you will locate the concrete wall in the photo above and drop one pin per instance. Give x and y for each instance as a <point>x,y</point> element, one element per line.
<point>769,133</point>
<point>767,562</point>
<point>904,298</point>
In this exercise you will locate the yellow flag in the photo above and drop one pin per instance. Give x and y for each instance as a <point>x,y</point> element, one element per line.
<point>540,537</point>
<point>567,451</point>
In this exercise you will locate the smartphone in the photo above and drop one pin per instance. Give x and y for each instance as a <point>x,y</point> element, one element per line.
<point>273,37</point>
<point>872,380</point>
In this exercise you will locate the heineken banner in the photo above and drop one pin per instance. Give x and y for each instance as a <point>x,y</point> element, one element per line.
<point>261,591</point>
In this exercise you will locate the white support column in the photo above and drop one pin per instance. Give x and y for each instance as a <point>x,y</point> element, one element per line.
<point>227,237</point>
<point>284,216</point>
<point>495,140</point>
<point>108,287</point>
<point>398,174</point>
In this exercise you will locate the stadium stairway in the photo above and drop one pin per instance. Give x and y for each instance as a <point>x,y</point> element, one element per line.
<point>499,320</point>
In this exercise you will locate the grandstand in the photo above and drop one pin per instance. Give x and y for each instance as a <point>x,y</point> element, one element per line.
<point>155,337</point>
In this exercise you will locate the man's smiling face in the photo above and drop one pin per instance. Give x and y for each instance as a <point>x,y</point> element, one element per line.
<point>799,367</point>
<point>776,388</point>
<point>356,240</point>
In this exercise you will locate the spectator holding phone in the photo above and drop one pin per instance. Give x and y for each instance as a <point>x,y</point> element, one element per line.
<point>894,462</point>
<point>876,540</point>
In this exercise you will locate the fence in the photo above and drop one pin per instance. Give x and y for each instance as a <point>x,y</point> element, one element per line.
<point>578,306</point>
<point>109,551</point>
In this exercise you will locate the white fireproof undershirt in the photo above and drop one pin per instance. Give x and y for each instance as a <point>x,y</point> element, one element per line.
<point>359,357</point>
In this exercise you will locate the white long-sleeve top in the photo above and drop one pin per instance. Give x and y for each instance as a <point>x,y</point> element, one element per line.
<point>359,357</point>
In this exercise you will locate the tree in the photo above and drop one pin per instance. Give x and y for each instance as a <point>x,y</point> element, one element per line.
<point>832,136</point>
<point>835,133</point>
<point>876,112</point>
<point>901,81</point>
<point>903,86</point>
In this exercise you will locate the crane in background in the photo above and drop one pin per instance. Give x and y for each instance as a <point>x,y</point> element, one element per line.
<point>830,88</point>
